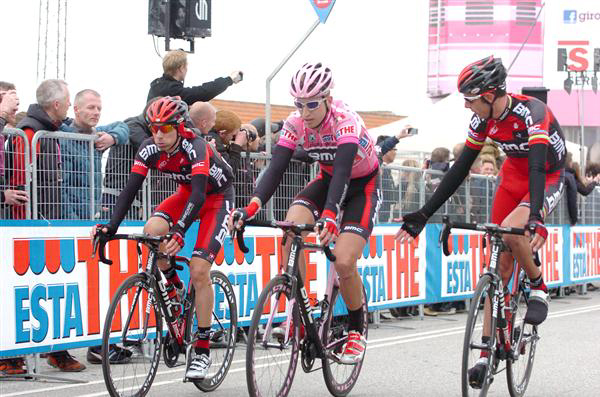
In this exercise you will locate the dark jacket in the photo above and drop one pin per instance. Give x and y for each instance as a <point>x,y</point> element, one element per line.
<point>573,186</point>
<point>231,153</point>
<point>49,176</point>
<point>168,86</point>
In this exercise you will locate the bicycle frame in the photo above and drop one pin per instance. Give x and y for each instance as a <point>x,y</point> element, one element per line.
<point>293,276</point>
<point>498,307</point>
<point>156,282</point>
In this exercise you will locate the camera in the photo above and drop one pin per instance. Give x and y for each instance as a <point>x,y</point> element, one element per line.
<point>250,135</point>
<point>413,131</point>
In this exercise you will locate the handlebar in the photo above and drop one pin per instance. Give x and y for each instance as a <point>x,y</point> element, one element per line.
<point>297,229</point>
<point>100,240</point>
<point>488,228</point>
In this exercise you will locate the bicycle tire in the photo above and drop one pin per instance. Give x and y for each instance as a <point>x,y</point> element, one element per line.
<point>141,285</point>
<point>523,344</point>
<point>278,288</point>
<point>485,287</point>
<point>227,329</point>
<point>336,387</point>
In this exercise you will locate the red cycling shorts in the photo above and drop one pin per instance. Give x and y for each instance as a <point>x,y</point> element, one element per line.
<point>513,189</point>
<point>213,218</point>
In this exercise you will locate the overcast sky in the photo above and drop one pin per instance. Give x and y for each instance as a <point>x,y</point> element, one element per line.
<point>377,50</point>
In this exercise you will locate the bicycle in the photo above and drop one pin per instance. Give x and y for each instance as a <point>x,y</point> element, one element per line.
<point>143,301</point>
<point>513,341</point>
<point>285,298</point>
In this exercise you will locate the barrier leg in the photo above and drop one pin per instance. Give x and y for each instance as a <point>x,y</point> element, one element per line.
<point>421,311</point>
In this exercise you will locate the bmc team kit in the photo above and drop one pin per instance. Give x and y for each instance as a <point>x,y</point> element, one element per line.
<point>512,340</point>
<point>134,323</point>
<point>310,331</point>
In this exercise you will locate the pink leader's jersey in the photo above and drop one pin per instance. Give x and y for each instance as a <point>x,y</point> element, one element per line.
<point>341,125</point>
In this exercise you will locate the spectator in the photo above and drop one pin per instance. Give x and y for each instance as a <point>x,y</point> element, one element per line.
<point>9,104</point>
<point>491,149</point>
<point>118,165</point>
<point>409,187</point>
<point>592,172</point>
<point>51,108</point>
<point>389,189</point>
<point>228,142</point>
<point>575,184</point>
<point>175,69</point>
<point>488,166</point>
<point>203,116</point>
<point>248,171</point>
<point>457,150</point>
<point>53,102</point>
<point>76,197</point>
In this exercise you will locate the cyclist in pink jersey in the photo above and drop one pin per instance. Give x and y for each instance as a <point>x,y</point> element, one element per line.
<point>344,197</point>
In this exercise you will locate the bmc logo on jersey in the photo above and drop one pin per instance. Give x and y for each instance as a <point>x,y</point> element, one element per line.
<point>322,156</point>
<point>187,146</point>
<point>524,112</point>
<point>148,151</point>
<point>475,122</point>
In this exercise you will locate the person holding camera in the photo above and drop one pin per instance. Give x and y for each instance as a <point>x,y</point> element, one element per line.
<point>175,69</point>
<point>228,139</point>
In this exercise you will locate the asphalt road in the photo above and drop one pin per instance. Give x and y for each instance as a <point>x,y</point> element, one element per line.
<point>408,357</point>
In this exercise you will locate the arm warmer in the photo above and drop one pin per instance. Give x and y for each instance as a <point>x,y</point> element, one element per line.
<point>451,181</point>
<point>273,174</point>
<point>134,183</point>
<point>342,168</point>
<point>537,180</point>
<point>195,202</point>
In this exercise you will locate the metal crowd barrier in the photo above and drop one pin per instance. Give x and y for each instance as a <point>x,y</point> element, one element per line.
<point>67,178</point>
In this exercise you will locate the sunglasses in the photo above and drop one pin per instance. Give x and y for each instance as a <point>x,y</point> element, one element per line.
<point>471,98</point>
<point>312,105</point>
<point>166,128</point>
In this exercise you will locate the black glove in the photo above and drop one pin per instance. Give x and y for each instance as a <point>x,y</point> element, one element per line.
<point>414,223</point>
<point>111,230</point>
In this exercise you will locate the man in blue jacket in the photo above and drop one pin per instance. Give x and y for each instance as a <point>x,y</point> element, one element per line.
<point>77,190</point>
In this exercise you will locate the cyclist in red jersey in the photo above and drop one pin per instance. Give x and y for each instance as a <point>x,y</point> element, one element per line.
<point>345,192</point>
<point>530,182</point>
<point>205,192</point>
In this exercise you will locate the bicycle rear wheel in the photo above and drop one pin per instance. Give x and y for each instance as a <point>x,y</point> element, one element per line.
<point>224,330</point>
<point>271,361</point>
<point>340,378</point>
<point>524,339</point>
<point>473,344</point>
<point>133,327</point>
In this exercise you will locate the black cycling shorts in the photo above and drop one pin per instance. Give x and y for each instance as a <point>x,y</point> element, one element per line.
<point>359,207</point>
<point>213,218</point>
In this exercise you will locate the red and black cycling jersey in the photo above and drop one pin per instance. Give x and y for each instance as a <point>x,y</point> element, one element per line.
<point>191,157</point>
<point>526,121</point>
<point>194,162</point>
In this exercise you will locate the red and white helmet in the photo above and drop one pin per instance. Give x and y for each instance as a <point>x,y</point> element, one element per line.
<point>311,80</point>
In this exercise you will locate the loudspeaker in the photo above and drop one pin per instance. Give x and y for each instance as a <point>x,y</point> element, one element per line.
<point>187,18</point>
<point>561,60</point>
<point>540,93</point>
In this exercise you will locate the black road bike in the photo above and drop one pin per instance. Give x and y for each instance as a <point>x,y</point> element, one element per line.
<point>513,341</point>
<point>134,323</point>
<point>271,360</point>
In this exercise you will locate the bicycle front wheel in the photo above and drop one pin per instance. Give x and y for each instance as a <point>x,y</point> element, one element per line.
<point>224,330</point>
<point>271,358</point>
<point>524,339</point>
<point>473,344</point>
<point>133,337</point>
<point>340,378</point>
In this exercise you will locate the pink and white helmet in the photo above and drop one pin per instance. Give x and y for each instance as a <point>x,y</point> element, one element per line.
<point>311,80</point>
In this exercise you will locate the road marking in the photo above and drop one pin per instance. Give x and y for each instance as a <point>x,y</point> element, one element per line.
<point>415,337</point>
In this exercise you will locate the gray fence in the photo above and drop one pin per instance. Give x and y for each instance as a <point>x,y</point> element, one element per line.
<point>68,178</point>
